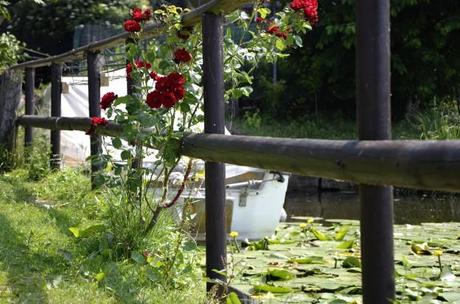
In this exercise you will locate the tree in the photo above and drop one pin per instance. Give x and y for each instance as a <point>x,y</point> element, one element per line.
<point>10,47</point>
<point>425,63</point>
<point>49,27</point>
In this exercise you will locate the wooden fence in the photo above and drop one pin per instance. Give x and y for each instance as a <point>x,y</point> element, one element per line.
<point>374,161</point>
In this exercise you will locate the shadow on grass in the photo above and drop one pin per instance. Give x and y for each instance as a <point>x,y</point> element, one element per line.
<point>16,190</point>
<point>27,271</point>
<point>24,269</point>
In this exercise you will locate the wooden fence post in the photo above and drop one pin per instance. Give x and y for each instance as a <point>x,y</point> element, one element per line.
<point>10,96</point>
<point>94,96</point>
<point>214,122</point>
<point>29,103</point>
<point>55,138</point>
<point>374,123</point>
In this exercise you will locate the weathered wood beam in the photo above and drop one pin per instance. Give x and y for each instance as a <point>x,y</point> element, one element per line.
<point>55,135</point>
<point>10,96</point>
<point>69,124</point>
<point>373,112</point>
<point>190,18</point>
<point>426,165</point>
<point>94,96</point>
<point>29,103</point>
<point>430,165</point>
<point>214,123</point>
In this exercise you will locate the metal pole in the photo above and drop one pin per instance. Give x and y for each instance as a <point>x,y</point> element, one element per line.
<point>29,103</point>
<point>374,123</point>
<point>214,122</point>
<point>55,138</point>
<point>94,96</point>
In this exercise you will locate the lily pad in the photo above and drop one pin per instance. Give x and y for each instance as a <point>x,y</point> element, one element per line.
<point>346,245</point>
<point>351,262</point>
<point>271,288</point>
<point>278,275</point>
<point>307,260</point>
<point>319,235</point>
<point>340,235</point>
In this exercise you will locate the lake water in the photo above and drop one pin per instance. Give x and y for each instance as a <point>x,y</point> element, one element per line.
<point>410,209</point>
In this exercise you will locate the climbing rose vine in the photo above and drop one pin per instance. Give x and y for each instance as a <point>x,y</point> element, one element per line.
<point>166,100</point>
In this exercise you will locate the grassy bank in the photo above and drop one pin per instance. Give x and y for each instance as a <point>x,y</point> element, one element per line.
<point>431,124</point>
<point>41,261</point>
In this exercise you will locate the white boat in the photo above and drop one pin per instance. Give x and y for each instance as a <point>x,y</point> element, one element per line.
<point>255,197</point>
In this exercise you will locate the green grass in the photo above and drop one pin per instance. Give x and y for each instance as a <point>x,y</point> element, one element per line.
<point>42,262</point>
<point>314,127</point>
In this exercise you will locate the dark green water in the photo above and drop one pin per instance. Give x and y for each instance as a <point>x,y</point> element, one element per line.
<point>345,205</point>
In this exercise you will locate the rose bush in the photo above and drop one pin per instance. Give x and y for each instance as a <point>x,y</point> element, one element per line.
<point>167,101</point>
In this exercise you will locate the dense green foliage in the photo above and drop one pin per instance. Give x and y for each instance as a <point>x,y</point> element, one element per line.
<point>10,50</point>
<point>49,27</point>
<point>330,127</point>
<point>321,75</point>
<point>10,47</point>
<point>439,120</point>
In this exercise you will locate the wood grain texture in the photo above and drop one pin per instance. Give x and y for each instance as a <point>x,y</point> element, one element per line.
<point>431,165</point>
<point>10,96</point>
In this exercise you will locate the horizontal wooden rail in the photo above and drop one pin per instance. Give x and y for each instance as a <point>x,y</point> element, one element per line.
<point>151,30</point>
<point>428,165</point>
<point>68,123</point>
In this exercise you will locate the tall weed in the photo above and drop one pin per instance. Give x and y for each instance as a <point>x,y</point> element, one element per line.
<point>439,122</point>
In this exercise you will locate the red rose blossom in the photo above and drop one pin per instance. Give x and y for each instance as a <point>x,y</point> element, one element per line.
<point>129,70</point>
<point>282,35</point>
<point>168,100</point>
<point>182,56</point>
<point>153,99</point>
<point>142,64</point>
<point>168,91</point>
<point>146,14</point>
<point>154,75</point>
<point>140,15</point>
<point>260,19</point>
<point>309,7</point>
<point>107,100</point>
<point>176,78</point>
<point>98,121</point>
<point>160,84</point>
<point>275,30</point>
<point>136,14</point>
<point>132,26</point>
<point>179,92</point>
<point>311,13</point>
<point>297,4</point>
